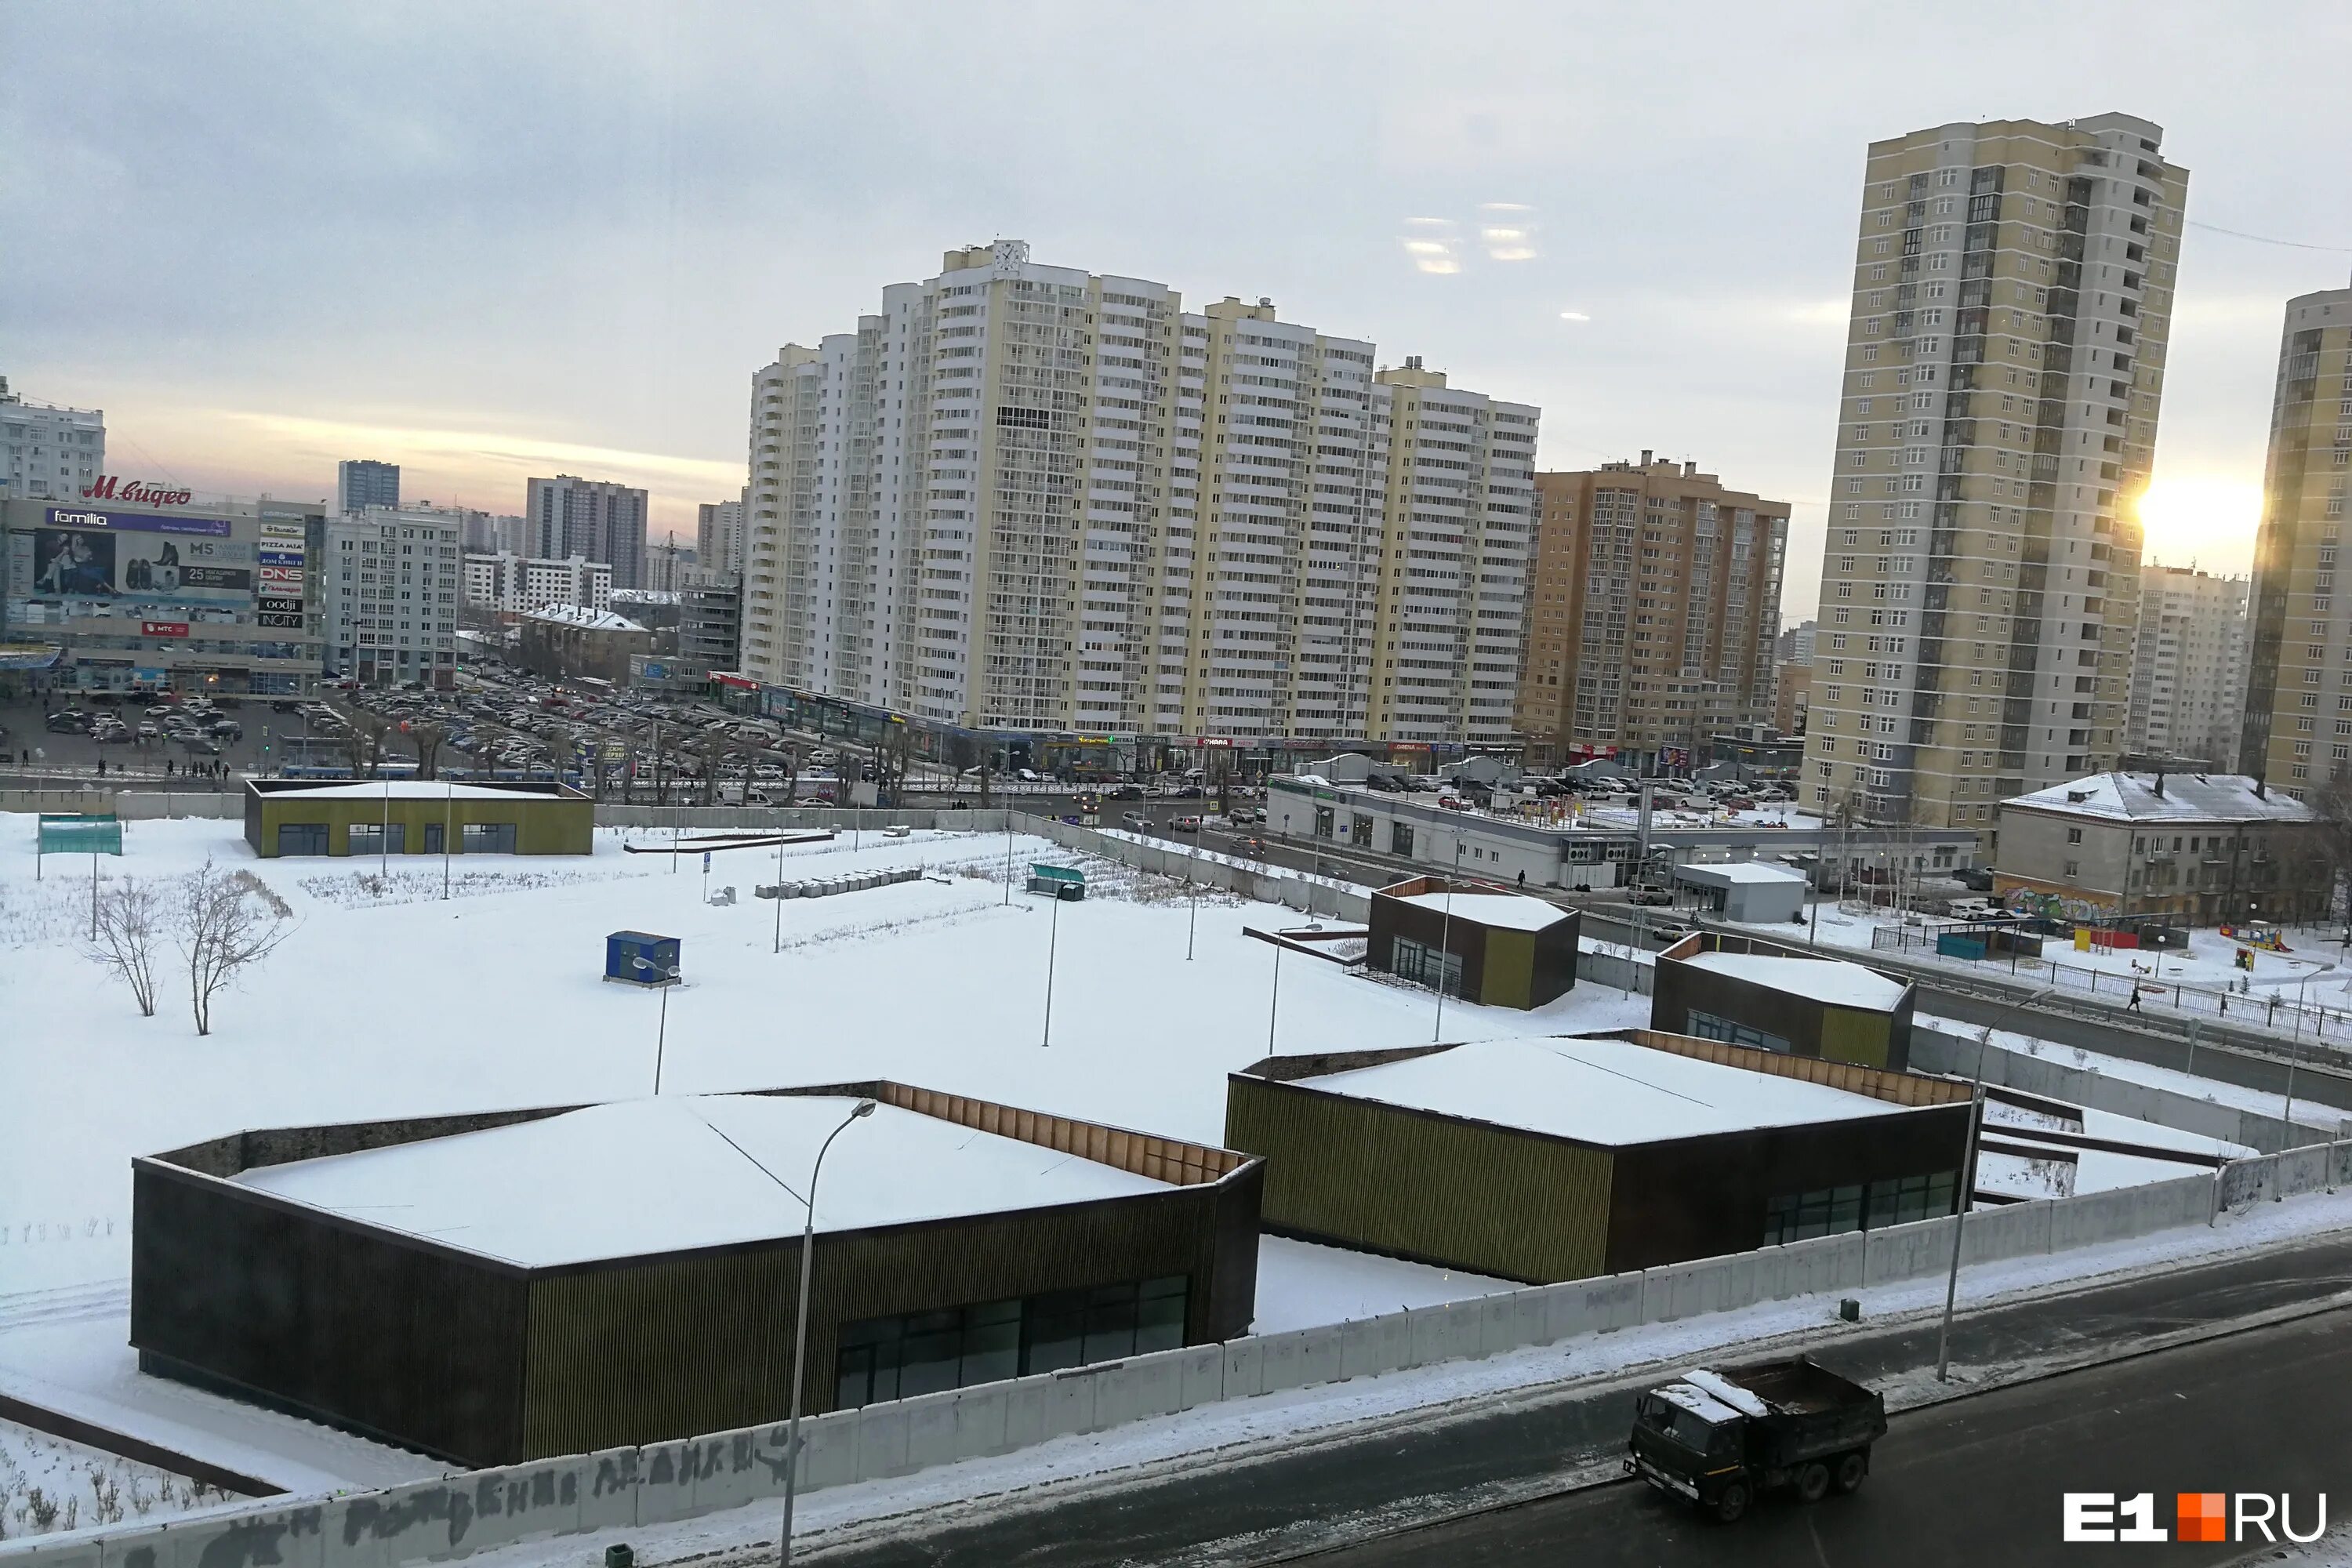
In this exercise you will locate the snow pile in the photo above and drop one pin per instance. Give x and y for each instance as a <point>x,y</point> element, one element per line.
<point>1507,911</point>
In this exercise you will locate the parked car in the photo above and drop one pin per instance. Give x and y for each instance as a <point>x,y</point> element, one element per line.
<point>69,723</point>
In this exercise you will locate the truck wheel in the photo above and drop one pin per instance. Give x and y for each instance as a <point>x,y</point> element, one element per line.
<point>1851,1468</point>
<point>1731,1502</point>
<point>1813,1482</point>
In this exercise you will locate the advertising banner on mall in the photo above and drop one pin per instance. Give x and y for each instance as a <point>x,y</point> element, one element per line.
<point>136,522</point>
<point>76,564</point>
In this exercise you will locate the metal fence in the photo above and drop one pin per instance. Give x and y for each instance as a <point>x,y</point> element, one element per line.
<point>2327,1029</point>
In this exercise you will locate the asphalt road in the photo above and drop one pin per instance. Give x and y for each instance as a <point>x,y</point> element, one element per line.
<point>1982,1480</point>
<point>2274,1420</point>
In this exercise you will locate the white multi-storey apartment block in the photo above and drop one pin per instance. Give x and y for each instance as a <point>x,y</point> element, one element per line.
<point>47,451</point>
<point>2189,666</point>
<point>522,583</point>
<point>391,596</point>
<point>1031,497</point>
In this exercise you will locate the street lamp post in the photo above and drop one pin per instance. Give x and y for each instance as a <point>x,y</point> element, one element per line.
<point>661,1033</point>
<point>800,1336</point>
<point>1053,941</point>
<point>1273,1009</point>
<point>1445,942</point>
<point>1967,1194</point>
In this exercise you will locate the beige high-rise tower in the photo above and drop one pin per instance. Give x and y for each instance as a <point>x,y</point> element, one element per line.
<point>2299,715</point>
<point>2012,295</point>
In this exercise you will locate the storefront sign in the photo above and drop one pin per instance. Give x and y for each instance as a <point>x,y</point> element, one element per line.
<point>108,486</point>
<point>281,557</point>
<point>163,628</point>
<point>279,606</point>
<point>135,523</point>
<point>281,620</point>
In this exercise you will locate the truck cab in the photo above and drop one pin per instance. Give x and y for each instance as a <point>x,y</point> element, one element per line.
<point>1719,1439</point>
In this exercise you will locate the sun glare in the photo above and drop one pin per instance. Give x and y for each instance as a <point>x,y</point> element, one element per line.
<point>2208,517</point>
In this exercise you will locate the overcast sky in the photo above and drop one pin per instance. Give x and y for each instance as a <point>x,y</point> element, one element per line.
<point>490,241</point>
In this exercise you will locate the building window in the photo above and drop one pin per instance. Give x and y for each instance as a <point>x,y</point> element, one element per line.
<point>487,838</point>
<point>925,1353</point>
<point>1831,1211</point>
<point>1424,965</point>
<point>1400,838</point>
<point>1707,1026</point>
<point>303,838</point>
<point>368,838</point>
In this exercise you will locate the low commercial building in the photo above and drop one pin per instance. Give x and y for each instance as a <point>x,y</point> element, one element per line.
<point>563,642</point>
<point>1585,845</point>
<point>412,817</point>
<point>1473,940</point>
<point>160,594</point>
<point>1543,1160</point>
<point>472,1286</point>
<point>2194,848</point>
<point>1718,986</point>
<point>1745,891</point>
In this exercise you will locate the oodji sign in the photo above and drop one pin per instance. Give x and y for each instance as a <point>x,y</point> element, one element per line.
<point>110,488</point>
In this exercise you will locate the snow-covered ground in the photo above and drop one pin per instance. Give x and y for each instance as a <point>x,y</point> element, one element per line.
<point>388,1001</point>
<point>49,1484</point>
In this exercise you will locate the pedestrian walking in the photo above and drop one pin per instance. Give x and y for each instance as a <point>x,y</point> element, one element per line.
<point>2132,1006</point>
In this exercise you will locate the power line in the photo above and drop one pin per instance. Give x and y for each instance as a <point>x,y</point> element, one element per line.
<point>2266,239</point>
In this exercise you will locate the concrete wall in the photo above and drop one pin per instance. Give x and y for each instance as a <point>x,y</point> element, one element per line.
<point>1940,1050</point>
<point>622,1489</point>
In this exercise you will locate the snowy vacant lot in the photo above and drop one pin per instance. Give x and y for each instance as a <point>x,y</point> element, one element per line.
<point>388,1001</point>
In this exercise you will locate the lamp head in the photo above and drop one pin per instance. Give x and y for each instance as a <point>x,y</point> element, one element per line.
<point>863,1108</point>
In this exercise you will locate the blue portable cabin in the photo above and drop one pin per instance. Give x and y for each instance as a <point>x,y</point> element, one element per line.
<point>623,949</point>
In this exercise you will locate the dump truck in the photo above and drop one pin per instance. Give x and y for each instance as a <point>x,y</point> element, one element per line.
<point>1720,1439</point>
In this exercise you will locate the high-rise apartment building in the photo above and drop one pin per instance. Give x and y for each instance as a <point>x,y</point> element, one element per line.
<point>1031,497</point>
<point>2299,668</point>
<point>668,565</point>
<point>362,482</point>
<point>602,521</point>
<point>2189,666</point>
<point>47,452</point>
<point>2012,295</point>
<point>1652,616</point>
<point>391,596</point>
<point>718,536</point>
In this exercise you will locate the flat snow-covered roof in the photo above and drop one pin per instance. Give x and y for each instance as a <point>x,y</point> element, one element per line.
<point>1609,1092</point>
<point>407,789</point>
<point>1828,980</point>
<point>1513,911</point>
<point>1731,871</point>
<point>535,1193</point>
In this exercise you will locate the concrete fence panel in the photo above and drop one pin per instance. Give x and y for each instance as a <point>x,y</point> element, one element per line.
<point>931,1429</point>
<point>2339,1164</point>
<point>2184,1200</point>
<point>1823,1263</point>
<point>829,1450</point>
<point>405,1524</point>
<point>2303,1171</point>
<point>665,1473</point>
<point>737,1466</point>
<point>1905,1251</point>
<point>1370,1345</point>
<point>1069,1403</point>
<point>1244,1368</point>
<point>608,1497</point>
<point>2100,1216</point>
<point>2019,1230</point>
<point>40,1553</point>
<point>1203,1371</point>
<point>537,1498</point>
<point>1445,1333</point>
<point>147,1547</point>
<point>1138,1388</point>
<point>2247,1181</point>
<point>1680,1290</point>
<point>882,1438</point>
<point>1284,1360</point>
<point>1511,1320</point>
<point>289,1536</point>
<point>1593,1306</point>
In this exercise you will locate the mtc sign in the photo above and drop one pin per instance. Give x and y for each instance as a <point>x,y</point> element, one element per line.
<point>109,486</point>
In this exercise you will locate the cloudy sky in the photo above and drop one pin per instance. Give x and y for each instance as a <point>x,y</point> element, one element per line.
<point>490,241</point>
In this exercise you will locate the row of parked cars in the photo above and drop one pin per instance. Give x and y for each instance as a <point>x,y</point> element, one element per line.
<point>197,725</point>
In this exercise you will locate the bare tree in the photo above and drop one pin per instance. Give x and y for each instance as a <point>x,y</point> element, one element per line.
<point>962,754</point>
<point>129,920</point>
<point>792,766</point>
<point>363,737</point>
<point>428,738</point>
<point>227,921</point>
